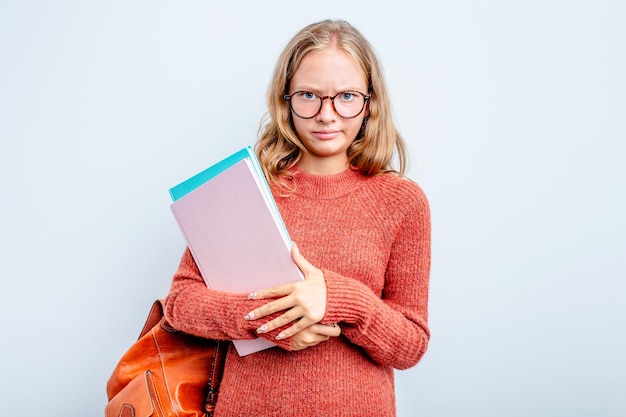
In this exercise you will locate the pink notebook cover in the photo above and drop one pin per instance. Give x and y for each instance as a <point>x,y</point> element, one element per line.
<point>235,237</point>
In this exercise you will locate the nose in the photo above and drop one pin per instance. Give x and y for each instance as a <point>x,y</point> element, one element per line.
<point>327,112</point>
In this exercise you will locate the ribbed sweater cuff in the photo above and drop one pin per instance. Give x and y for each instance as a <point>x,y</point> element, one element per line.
<point>348,300</point>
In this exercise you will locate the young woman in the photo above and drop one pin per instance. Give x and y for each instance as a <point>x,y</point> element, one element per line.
<point>363,244</point>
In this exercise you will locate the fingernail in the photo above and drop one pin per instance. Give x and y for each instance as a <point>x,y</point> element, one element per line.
<point>249,316</point>
<point>262,329</point>
<point>252,295</point>
<point>280,336</point>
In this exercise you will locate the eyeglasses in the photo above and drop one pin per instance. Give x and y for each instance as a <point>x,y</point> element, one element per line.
<point>307,105</point>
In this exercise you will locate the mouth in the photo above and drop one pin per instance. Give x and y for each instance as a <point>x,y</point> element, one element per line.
<point>326,134</point>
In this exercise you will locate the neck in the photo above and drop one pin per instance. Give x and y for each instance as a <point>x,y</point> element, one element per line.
<point>323,166</point>
<point>323,187</point>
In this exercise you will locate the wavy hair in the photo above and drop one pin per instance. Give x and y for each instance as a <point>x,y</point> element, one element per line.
<point>279,148</point>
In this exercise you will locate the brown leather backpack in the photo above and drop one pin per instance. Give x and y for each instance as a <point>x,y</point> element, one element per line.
<point>166,373</point>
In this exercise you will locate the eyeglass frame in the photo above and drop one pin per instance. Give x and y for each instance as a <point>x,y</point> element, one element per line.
<point>366,98</point>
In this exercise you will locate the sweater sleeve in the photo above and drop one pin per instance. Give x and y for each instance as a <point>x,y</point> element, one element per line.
<point>192,307</point>
<point>393,329</point>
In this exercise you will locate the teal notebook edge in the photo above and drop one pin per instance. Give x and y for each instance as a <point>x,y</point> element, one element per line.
<point>187,186</point>
<point>197,180</point>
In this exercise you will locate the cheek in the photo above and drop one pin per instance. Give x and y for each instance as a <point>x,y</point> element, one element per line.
<point>297,126</point>
<point>355,126</point>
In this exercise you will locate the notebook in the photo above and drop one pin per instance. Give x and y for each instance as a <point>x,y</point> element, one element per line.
<point>234,230</point>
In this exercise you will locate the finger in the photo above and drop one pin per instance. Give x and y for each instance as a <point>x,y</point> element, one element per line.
<point>270,308</point>
<point>304,265</point>
<point>298,326</point>
<point>326,330</point>
<point>274,292</point>
<point>280,321</point>
<point>307,338</point>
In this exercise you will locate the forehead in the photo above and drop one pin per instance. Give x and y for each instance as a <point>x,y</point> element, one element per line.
<point>329,68</point>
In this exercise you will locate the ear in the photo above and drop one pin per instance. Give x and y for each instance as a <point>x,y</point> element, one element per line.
<point>369,101</point>
<point>370,91</point>
<point>362,129</point>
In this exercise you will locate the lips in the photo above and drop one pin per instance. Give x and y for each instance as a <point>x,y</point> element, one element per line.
<point>326,134</point>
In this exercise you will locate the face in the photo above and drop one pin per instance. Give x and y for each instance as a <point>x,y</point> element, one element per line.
<point>327,136</point>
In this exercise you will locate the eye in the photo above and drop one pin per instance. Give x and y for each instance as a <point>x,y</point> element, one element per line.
<point>307,95</point>
<point>347,96</point>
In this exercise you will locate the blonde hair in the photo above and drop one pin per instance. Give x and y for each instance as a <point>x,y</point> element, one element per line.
<point>279,148</point>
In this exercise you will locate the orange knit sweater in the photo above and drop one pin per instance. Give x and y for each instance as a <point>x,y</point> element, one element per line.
<point>371,238</point>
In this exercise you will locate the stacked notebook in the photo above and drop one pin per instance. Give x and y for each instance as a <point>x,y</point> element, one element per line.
<point>234,230</point>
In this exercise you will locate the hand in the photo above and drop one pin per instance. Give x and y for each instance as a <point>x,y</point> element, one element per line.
<point>304,301</point>
<point>314,335</point>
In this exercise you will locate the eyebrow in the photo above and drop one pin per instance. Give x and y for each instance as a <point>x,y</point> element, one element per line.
<point>319,92</point>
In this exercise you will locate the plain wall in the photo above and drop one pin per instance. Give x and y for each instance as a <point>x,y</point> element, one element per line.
<point>514,117</point>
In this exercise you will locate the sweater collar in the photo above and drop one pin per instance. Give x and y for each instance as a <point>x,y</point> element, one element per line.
<point>323,187</point>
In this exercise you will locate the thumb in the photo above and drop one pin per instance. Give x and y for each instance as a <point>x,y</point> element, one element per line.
<point>304,265</point>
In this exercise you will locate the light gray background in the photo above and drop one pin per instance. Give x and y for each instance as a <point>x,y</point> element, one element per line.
<point>514,116</point>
